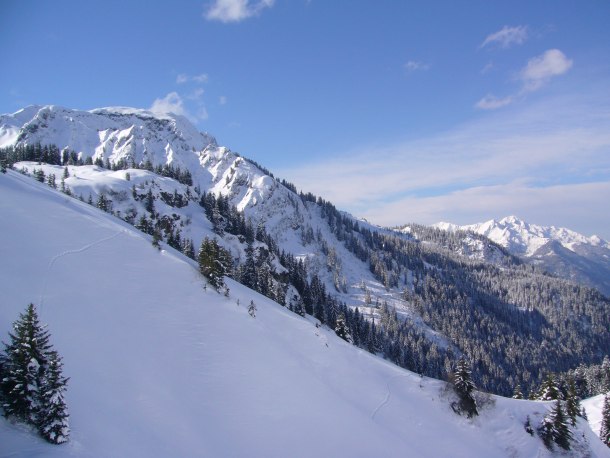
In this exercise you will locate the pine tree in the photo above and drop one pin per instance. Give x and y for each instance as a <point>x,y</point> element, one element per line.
<point>31,383</point>
<point>250,275</point>
<point>549,391</point>
<point>341,329</point>
<point>572,402</point>
<point>53,415</point>
<point>214,262</point>
<point>518,394</point>
<point>156,239</point>
<point>555,427</point>
<point>604,432</point>
<point>23,365</point>
<point>464,387</point>
<point>149,203</point>
<point>102,202</point>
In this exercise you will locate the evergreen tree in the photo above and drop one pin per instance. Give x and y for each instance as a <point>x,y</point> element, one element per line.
<point>518,394</point>
<point>464,387</point>
<point>149,202</point>
<point>214,262</point>
<point>249,275</point>
<point>23,365</point>
<point>102,202</point>
<point>156,239</point>
<point>549,391</point>
<point>51,181</point>
<point>39,175</point>
<point>555,427</point>
<point>53,415</point>
<point>187,248</point>
<point>572,402</point>
<point>341,329</point>
<point>31,383</point>
<point>604,432</point>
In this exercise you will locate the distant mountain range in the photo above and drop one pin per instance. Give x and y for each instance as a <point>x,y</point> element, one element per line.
<point>558,250</point>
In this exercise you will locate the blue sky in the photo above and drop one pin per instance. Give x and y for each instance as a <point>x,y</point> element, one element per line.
<point>396,111</point>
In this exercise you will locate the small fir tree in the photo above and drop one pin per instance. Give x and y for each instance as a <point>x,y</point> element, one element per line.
<point>341,329</point>
<point>572,402</point>
<point>549,391</point>
<point>464,388</point>
<point>555,428</point>
<point>156,239</point>
<point>518,394</point>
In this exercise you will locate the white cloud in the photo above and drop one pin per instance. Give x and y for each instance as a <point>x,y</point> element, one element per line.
<point>413,66</point>
<point>538,71</point>
<point>537,153</point>
<point>541,205</point>
<point>171,103</point>
<point>183,78</point>
<point>542,68</point>
<point>235,10</point>
<point>491,102</point>
<point>174,103</point>
<point>507,36</point>
<point>201,79</point>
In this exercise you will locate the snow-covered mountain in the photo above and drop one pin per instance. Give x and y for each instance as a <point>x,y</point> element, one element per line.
<point>561,251</point>
<point>160,366</point>
<point>136,136</point>
<point>437,296</point>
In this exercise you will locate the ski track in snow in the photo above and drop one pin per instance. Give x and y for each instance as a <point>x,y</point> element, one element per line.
<point>69,252</point>
<point>387,396</point>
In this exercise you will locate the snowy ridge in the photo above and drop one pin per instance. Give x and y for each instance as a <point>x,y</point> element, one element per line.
<point>525,239</point>
<point>161,367</point>
<point>558,250</point>
<point>114,133</point>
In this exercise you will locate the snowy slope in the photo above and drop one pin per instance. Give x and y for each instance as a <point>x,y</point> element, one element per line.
<point>119,133</point>
<point>561,251</point>
<point>160,366</point>
<point>594,407</point>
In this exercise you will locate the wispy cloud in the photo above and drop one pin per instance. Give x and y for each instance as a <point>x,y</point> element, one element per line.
<point>575,206</point>
<point>491,102</point>
<point>413,66</point>
<point>553,150</point>
<point>235,10</point>
<point>183,78</point>
<point>538,72</point>
<point>506,37</point>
